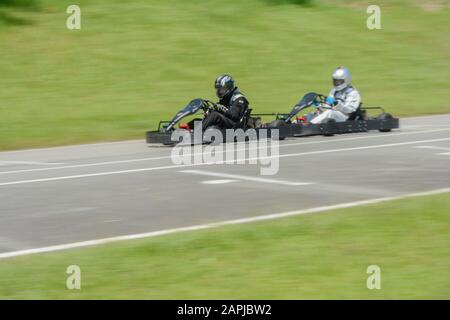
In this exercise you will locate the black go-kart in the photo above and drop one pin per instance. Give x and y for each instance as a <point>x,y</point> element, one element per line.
<point>291,125</point>
<point>169,133</point>
<point>285,124</point>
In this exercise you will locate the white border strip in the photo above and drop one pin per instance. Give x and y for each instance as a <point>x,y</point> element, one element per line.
<point>247,178</point>
<point>216,224</point>
<point>36,163</point>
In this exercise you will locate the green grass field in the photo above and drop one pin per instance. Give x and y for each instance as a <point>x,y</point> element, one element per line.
<point>316,256</point>
<point>136,62</point>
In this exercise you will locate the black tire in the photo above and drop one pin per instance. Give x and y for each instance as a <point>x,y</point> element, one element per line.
<point>382,117</point>
<point>213,141</point>
<point>277,123</point>
<point>254,123</point>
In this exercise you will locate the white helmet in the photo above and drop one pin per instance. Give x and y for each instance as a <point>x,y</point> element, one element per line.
<point>341,78</point>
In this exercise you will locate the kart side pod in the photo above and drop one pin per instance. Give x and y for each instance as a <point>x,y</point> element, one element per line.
<point>383,123</point>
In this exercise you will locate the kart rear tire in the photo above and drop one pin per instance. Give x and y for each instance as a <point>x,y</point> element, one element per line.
<point>254,123</point>
<point>385,116</point>
<point>278,123</point>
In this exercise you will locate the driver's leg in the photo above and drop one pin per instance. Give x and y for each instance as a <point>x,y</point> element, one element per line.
<point>330,114</point>
<point>338,116</point>
<point>321,117</point>
<point>215,118</point>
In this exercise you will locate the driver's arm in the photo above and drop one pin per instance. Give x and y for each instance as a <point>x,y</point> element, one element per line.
<point>234,112</point>
<point>350,104</point>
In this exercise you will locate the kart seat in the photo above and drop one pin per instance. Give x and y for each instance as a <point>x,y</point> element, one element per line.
<point>242,123</point>
<point>356,115</point>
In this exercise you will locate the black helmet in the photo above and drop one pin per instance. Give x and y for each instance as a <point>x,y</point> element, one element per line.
<point>224,85</point>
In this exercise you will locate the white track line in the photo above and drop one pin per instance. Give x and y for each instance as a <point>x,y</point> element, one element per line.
<point>7,162</point>
<point>433,148</point>
<point>436,148</point>
<point>223,162</point>
<point>282,145</point>
<point>247,178</point>
<point>360,148</point>
<point>94,144</point>
<point>221,181</point>
<point>216,225</point>
<point>86,165</point>
<point>90,175</point>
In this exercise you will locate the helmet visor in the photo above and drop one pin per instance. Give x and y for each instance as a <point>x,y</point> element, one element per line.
<point>338,82</point>
<point>221,91</point>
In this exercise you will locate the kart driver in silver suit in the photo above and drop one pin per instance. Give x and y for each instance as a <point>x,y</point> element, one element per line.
<point>342,100</point>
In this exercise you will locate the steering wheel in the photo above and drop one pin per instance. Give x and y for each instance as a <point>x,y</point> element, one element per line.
<point>320,98</point>
<point>320,103</point>
<point>209,105</point>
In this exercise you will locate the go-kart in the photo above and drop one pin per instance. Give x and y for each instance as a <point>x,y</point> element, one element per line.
<point>285,124</point>
<point>169,133</point>
<point>291,125</point>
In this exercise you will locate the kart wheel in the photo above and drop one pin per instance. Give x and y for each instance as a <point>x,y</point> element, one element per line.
<point>184,137</point>
<point>254,123</point>
<point>210,135</point>
<point>384,116</point>
<point>277,123</point>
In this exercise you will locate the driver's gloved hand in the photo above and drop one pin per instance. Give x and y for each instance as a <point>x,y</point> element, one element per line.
<point>221,108</point>
<point>330,101</point>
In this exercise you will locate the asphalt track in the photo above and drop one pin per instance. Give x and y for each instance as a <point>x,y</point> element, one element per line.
<point>77,193</point>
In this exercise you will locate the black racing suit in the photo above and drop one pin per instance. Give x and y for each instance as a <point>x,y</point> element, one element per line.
<point>236,104</point>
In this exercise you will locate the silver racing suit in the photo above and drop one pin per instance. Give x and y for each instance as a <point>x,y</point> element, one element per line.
<point>348,101</point>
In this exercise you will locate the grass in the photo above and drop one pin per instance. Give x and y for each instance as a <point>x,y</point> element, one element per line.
<point>314,256</point>
<point>136,62</point>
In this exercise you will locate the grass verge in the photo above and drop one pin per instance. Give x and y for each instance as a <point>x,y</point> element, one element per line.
<point>319,256</point>
<point>136,62</point>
